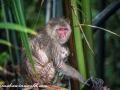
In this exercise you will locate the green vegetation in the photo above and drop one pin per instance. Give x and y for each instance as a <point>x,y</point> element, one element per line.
<point>18,19</point>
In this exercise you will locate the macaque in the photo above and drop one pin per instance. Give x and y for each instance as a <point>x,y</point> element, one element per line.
<point>48,53</point>
<point>65,53</point>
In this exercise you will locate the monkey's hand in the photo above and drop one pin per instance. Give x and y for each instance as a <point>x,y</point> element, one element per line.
<point>84,82</point>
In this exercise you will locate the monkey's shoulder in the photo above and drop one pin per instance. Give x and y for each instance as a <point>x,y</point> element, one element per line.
<point>40,33</point>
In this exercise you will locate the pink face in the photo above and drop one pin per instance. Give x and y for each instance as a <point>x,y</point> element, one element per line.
<point>62,31</point>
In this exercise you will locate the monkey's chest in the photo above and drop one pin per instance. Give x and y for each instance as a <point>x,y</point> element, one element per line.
<point>44,67</point>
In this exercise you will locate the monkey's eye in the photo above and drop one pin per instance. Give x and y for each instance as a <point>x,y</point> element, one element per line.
<point>65,28</point>
<point>60,29</point>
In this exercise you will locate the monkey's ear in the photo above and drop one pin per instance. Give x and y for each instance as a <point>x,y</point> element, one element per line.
<point>50,23</point>
<point>67,20</point>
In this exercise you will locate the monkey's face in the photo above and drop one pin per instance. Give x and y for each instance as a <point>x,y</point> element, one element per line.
<point>59,30</point>
<point>62,34</point>
<point>64,52</point>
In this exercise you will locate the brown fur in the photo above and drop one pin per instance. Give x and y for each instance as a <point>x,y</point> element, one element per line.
<point>46,53</point>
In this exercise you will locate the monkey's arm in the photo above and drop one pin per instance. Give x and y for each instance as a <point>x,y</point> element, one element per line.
<point>69,71</point>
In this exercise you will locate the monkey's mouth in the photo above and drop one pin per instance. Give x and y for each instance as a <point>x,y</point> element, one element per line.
<point>62,40</point>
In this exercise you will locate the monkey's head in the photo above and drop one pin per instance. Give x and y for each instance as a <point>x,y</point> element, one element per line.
<point>59,29</point>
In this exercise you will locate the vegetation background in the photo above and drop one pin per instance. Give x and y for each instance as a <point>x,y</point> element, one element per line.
<point>105,64</point>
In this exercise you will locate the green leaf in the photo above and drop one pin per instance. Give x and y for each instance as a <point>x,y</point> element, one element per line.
<point>3,57</point>
<point>19,16</point>
<point>2,82</point>
<point>2,41</point>
<point>63,85</point>
<point>1,68</point>
<point>17,27</point>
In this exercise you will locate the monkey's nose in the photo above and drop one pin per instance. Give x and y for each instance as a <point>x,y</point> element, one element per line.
<point>63,37</point>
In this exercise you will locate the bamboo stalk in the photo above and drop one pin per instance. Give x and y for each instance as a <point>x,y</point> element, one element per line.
<point>78,43</point>
<point>89,56</point>
<point>72,57</point>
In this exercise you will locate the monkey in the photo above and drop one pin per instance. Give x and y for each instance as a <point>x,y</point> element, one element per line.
<point>48,49</point>
<point>65,53</point>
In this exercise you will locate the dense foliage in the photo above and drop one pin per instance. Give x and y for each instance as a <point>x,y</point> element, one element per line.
<point>31,9</point>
